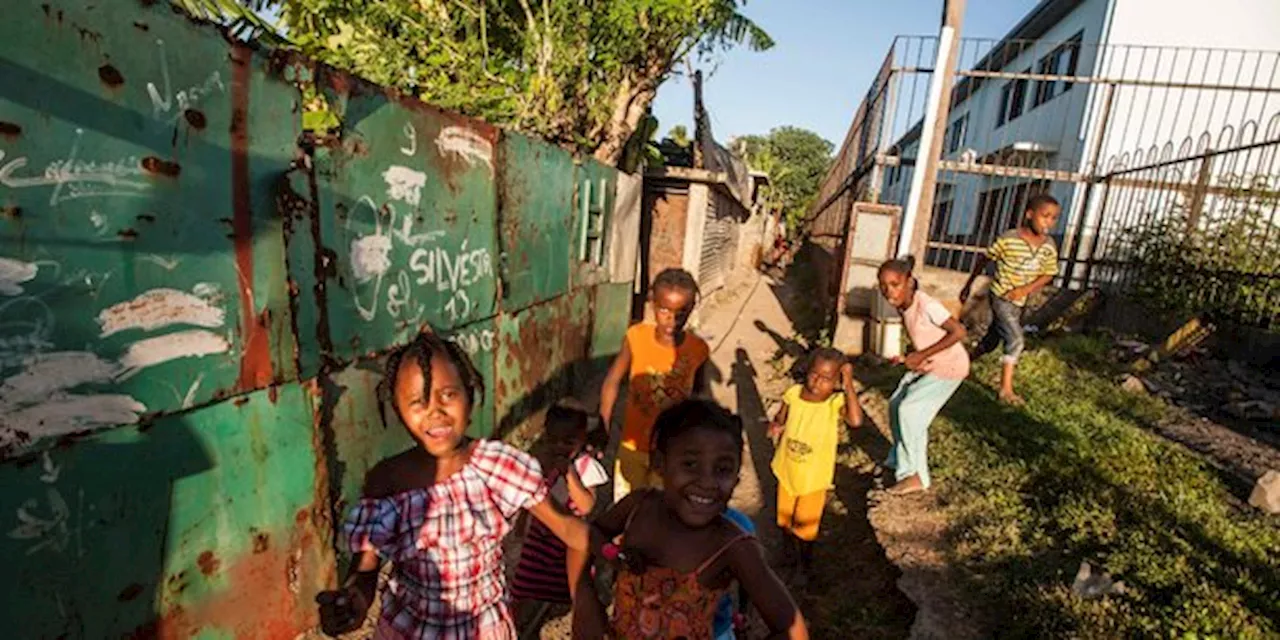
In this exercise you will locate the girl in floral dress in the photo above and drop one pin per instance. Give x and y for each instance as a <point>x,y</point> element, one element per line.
<point>438,512</point>
<point>679,552</point>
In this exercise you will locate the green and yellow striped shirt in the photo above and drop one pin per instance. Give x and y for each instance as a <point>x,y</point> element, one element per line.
<point>1019,263</point>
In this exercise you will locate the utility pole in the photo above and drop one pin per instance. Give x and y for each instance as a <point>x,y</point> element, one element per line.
<point>699,126</point>
<point>917,215</point>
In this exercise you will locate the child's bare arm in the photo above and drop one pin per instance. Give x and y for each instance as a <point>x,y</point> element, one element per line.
<point>701,382</point>
<point>1026,290</point>
<point>611,523</point>
<point>571,530</point>
<point>852,410</point>
<point>590,619</point>
<point>779,421</point>
<point>766,591</point>
<point>613,382</point>
<point>584,499</point>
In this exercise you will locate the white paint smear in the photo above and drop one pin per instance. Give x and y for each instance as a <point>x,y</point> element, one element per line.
<point>159,308</point>
<point>46,374</point>
<point>370,257</point>
<point>195,343</point>
<point>466,143</point>
<point>404,184</point>
<point>66,414</point>
<point>14,273</point>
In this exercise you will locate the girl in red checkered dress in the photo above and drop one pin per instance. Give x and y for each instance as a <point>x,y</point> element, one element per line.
<point>439,512</point>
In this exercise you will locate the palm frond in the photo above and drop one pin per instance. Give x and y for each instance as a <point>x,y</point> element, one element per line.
<point>241,18</point>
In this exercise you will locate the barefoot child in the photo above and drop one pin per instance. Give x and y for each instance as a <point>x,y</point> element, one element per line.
<point>439,511</point>
<point>804,462</point>
<point>548,571</point>
<point>665,364</point>
<point>1026,260</point>
<point>936,367</point>
<point>679,552</point>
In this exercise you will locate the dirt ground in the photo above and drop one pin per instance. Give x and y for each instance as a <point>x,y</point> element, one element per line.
<point>856,589</point>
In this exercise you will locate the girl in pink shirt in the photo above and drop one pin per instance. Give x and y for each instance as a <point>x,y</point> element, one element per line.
<point>937,365</point>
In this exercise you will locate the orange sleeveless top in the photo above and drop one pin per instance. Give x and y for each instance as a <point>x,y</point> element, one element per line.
<point>664,603</point>
<point>660,376</point>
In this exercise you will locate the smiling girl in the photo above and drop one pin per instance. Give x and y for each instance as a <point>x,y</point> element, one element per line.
<point>439,511</point>
<point>680,552</point>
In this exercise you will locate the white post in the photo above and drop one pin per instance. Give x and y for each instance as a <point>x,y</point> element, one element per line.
<point>929,138</point>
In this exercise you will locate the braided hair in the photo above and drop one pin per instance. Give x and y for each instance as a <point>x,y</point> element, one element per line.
<point>425,346</point>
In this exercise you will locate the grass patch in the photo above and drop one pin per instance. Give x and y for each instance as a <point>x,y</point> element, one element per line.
<point>1074,476</point>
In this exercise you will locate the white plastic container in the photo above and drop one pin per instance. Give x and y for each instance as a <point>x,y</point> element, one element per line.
<point>886,328</point>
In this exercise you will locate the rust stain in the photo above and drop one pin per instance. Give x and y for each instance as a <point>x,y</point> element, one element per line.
<point>208,563</point>
<point>9,129</point>
<point>130,592</point>
<point>156,165</point>
<point>258,604</point>
<point>195,118</point>
<point>127,234</point>
<point>12,212</point>
<point>255,364</point>
<point>261,542</point>
<point>110,76</point>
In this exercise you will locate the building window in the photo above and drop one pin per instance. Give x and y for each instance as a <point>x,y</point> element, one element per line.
<point>1013,100</point>
<point>1062,61</point>
<point>956,133</point>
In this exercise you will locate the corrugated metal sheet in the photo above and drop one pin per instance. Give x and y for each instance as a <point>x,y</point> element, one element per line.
<point>194,313</point>
<point>719,243</point>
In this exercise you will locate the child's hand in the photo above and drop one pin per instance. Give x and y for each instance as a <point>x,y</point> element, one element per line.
<point>775,430</point>
<point>342,611</point>
<point>914,360</point>
<point>846,376</point>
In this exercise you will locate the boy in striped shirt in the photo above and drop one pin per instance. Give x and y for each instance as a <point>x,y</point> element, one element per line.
<point>1026,260</point>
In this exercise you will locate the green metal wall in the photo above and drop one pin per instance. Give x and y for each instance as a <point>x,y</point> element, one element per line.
<point>194,312</point>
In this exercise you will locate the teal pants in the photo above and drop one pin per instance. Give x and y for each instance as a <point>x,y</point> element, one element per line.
<point>916,402</point>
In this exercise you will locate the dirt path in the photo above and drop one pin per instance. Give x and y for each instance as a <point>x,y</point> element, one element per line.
<point>854,590</point>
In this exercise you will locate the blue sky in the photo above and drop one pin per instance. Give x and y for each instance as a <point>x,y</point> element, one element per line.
<point>826,53</point>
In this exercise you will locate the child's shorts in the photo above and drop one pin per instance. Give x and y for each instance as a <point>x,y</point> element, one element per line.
<point>801,515</point>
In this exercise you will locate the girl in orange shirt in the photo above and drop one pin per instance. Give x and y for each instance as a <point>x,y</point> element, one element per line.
<point>665,365</point>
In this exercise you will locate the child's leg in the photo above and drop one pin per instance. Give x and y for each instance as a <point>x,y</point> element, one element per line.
<point>631,470</point>
<point>916,411</point>
<point>895,425</point>
<point>1007,317</point>
<point>994,333</point>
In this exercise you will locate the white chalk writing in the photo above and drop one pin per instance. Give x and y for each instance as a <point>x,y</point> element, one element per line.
<point>162,103</point>
<point>467,144</point>
<point>452,272</point>
<point>412,135</point>
<point>73,178</point>
<point>13,273</point>
<point>404,184</point>
<point>474,341</point>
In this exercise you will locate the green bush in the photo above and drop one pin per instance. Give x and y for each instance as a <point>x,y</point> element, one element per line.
<point>1226,266</point>
<point>1075,475</point>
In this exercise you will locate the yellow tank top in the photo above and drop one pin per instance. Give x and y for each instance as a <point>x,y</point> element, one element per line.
<point>805,461</point>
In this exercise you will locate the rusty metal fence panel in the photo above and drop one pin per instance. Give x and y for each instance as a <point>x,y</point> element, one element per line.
<point>141,255</point>
<point>195,311</point>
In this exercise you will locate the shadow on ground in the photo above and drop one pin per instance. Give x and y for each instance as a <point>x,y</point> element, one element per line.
<point>853,592</point>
